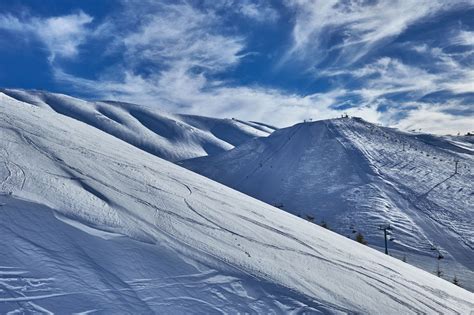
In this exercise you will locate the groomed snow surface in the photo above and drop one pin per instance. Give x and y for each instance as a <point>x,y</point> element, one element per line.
<point>90,223</point>
<point>356,177</point>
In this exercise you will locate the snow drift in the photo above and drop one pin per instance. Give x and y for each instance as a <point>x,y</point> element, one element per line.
<point>169,136</point>
<point>90,223</point>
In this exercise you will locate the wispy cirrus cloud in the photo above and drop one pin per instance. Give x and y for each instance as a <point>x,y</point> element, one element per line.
<point>186,46</point>
<point>435,118</point>
<point>260,11</point>
<point>181,56</point>
<point>388,76</point>
<point>61,35</point>
<point>465,38</point>
<point>352,29</point>
<point>180,33</point>
<point>178,90</point>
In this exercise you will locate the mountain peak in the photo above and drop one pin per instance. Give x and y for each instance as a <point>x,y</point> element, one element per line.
<point>356,176</point>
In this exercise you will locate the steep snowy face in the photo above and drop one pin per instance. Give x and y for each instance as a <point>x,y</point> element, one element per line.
<point>356,176</point>
<point>169,136</point>
<point>90,223</point>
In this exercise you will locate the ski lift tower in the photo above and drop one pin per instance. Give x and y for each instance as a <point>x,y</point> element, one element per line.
<point>386,231</point>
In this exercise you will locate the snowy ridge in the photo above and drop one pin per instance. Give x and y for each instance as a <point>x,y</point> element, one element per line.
<point>233,131</point>
<point>93,224</point>
<point>169,136</point>
<point>356,176</point>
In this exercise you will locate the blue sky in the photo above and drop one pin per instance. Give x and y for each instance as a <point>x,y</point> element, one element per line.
<point>407,64</point>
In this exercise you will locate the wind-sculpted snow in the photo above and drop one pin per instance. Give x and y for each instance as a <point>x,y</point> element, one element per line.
<point>169,136</point>
<point>90,223</point>
<point>356,176</point>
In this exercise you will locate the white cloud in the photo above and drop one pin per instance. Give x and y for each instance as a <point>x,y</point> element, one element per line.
<point>177,90</point>
<point>450,73</point>
<point>177,38</point>
<point>392,76</point>
<point>260,11</point>
<point>465,38</point>
<point>11,23</point>
<point>180,91</point>
<point>62,35</point>
<point>172,52</point>
<point>361,25</point>
<point>180,33</point>
<point>435,118</point>
<point>387,76</point>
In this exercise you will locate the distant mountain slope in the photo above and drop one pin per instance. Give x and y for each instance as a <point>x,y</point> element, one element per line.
<point>232,131</point>
<point>357,176</point>
<point>90,223</point>
<point>169,136</point>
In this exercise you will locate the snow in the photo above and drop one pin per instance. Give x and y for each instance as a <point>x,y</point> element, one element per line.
<point>169,136</point>
<point>90,223</point>
<point>233,131</point>
<point>357,176</point>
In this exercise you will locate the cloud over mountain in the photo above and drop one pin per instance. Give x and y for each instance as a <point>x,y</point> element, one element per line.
<point>281,62</point>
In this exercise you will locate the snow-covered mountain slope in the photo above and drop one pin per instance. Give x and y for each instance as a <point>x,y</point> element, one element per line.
<point>232,131</point>
<point>91,223</point>
<point>357,176</point>
<point>169,136</point>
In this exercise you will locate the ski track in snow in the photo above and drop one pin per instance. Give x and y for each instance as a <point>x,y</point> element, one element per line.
<point>178,242</point>
<point>406,190</point>
<point>422,208</point>
<point>18,287</point>
<point>389,177</point>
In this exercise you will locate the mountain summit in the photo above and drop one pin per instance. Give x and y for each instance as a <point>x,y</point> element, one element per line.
<point>354,176</point>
